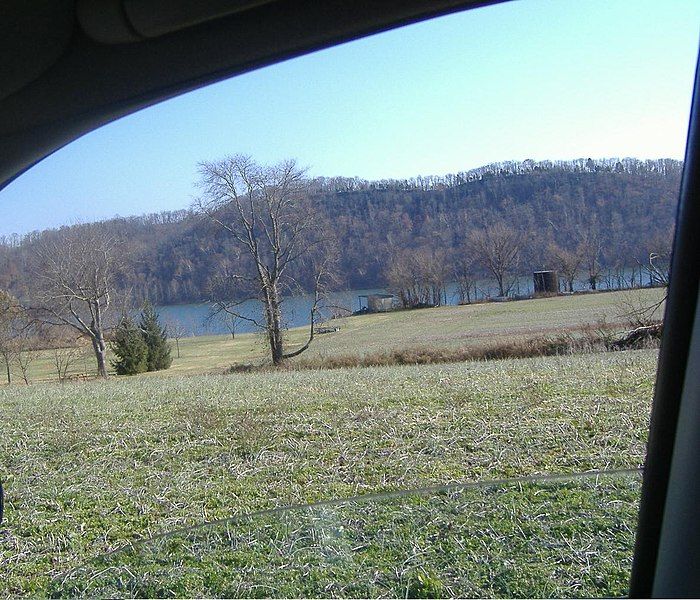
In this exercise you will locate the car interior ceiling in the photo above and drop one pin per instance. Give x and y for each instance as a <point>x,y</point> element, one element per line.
<point>69,67</point>
<point>92,62</point>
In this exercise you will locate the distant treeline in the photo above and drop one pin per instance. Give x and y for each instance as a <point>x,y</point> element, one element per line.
<point>594,215</point>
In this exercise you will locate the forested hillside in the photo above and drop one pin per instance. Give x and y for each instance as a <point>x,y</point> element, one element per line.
<point>583,216</point>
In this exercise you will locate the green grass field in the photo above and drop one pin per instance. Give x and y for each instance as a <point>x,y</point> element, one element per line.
<point>91,466</point>
<point>444,327</point>
<point>543,539</point>
<point>479,323</point>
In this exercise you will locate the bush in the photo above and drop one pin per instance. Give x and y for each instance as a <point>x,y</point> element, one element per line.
<point>129,348</point>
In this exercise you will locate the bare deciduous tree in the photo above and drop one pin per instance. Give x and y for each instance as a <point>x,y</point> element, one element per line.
<point>266,211</point>
<point>432,266</point>
<point>658,265</point>
<point>568,263</point>
<point>26,356</point>
<point>417,276</point>
<point>75,270</point>
<point>64,358</point>
<point>635,306</point>
<point>231,322</point>
<point>659,268</point>
<point>497,246</point>
<point>590,248</point>
<point>464,273</point>
<point>177,331</point>
<point>402,277</point>
<point>11,326</point>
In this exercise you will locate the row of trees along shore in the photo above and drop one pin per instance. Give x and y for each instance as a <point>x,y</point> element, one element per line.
<point>268,232</point>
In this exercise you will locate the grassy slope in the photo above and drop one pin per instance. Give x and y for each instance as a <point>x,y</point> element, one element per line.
<point>477,323</point>
<point>88,466</point>
<point>452,326</point>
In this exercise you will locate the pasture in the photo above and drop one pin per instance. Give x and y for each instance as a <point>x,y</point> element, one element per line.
<point>447,327</point>
<point>92,466</point>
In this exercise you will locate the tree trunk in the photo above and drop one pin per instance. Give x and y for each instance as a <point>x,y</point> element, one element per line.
<point>9,374</point>
<point>98,344</point>
<point>501,291</point>
<point>273,315</point>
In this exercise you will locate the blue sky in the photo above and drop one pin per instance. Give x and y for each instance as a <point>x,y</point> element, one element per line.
<point>541,79</point>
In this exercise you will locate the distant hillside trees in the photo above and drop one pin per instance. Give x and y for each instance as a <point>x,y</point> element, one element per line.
<point>592,220</point>
<point>278,241</point>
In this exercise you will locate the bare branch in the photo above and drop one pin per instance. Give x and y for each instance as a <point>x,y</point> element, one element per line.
<point>75,270</point>
<point>264,209</point>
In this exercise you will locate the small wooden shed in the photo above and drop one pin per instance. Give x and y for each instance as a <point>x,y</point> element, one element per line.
<point>546,282</point>
<point>376,302</point>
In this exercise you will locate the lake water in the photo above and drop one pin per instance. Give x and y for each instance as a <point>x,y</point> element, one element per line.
<point>196,318</point>
<point>296,311</point>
